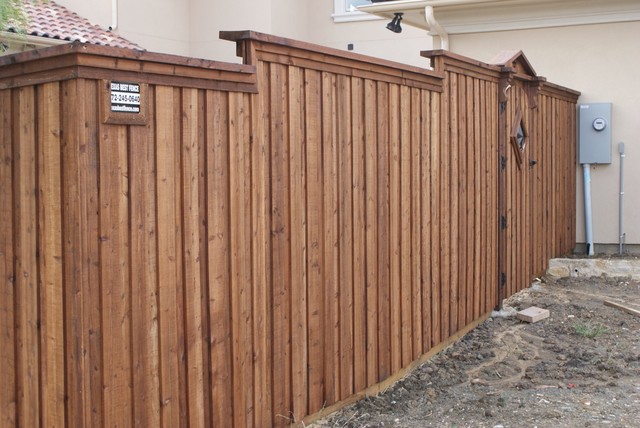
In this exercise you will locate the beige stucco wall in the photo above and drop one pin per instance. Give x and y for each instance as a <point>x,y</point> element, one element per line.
<point>600,62</point>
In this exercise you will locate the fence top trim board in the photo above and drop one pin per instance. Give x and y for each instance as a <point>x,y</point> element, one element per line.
<point>253,46</point>
<point>83,60</point>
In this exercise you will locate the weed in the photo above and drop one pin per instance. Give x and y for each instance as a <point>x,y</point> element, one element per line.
<point>589,329</point>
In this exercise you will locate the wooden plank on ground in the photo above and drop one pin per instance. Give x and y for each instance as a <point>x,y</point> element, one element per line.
<point>625,308</point>
<point>50,250</point>
<point>26,263</point>
<point>8,399</point>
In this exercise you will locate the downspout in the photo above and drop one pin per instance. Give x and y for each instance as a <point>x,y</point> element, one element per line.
<point>114,15</point>
<point>435,26</point>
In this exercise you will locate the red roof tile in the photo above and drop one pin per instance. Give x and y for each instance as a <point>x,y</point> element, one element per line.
<point>51,20</point>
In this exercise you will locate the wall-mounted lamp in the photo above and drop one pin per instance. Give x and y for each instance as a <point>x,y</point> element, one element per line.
<point>394,25</point>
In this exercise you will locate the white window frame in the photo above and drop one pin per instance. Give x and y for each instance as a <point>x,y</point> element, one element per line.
<point>341,13</point>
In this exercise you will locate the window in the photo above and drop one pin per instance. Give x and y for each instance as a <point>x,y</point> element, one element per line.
<point>346,10</point>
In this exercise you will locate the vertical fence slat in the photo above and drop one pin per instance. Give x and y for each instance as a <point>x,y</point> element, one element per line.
<point>192,257</point>
<point>297,179</point>
<point>218,221</point>
<point>345,234</point>
<point>371,195</point>
<point>426,210</point>
<point>168,252</point>
<point>114,274</point>
<point>404,172</point>
<point>456,124</point>
<point>50,250</point>
<point>395,274</point>
<point>8,397</point>
<point>383,207</point>
<point>359,236</point>
<point>241,296</point>
<point>330,216</point>
<point>281,250</point>
<point>315,241</point>
<point>26,277</point>
<point>434,161</point>
<point>144,278</point>
<point>263,380</point>
<point>417,117</point>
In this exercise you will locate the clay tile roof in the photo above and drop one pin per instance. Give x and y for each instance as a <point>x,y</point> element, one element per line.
<point>51,20</point>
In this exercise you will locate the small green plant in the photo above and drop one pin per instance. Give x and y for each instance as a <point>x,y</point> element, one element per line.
<point>589,329</point>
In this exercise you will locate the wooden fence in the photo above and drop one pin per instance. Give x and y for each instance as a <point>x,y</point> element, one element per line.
<point>261,241</point>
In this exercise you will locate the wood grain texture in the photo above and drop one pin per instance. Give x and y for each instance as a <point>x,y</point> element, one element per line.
<point>8,399</point>
<point>251,258</point>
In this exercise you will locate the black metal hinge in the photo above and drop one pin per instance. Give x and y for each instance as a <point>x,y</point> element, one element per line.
<point>503,106</point>
<point>503,279</point>
<point>503,222</point>
<point>503,162</point>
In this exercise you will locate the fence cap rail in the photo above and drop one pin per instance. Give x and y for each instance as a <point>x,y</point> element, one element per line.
<point>253,46</point>
<point>84,60</point>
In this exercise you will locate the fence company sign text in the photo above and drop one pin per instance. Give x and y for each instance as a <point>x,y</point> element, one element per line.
<point>125,97</point>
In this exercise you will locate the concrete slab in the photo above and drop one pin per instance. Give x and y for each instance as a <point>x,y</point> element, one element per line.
<point>587,267</point>
<point>533,314</point>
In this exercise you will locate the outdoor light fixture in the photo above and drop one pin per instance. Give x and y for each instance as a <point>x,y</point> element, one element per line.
<point>394,25</point>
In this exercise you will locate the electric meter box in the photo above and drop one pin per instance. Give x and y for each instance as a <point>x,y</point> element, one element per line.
<point>594,133</point>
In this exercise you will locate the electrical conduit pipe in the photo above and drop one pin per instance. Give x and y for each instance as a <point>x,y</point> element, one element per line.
<point>586,169</point>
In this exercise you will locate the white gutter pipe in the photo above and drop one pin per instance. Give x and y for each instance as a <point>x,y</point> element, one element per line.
<point>435,26</point>
<point>587,208</point>
<point>114,15</point>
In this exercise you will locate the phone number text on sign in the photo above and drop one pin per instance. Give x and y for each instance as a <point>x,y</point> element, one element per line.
<point>125,97</point>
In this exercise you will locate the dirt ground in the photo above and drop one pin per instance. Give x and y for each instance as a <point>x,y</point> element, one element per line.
<point>578,368</point>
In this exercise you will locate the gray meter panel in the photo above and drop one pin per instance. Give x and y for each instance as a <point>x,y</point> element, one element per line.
<point>594,133</point>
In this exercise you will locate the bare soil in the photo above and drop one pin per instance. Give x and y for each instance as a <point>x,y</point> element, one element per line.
<point>578,368</point>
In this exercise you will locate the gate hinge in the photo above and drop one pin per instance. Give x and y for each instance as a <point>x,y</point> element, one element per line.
<point>503,162</point>
<point>503,279</point>
<point>503,106</point>
<point>503,222</point>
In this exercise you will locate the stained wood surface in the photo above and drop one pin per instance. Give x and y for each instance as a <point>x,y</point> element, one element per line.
<point>249,258</point>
